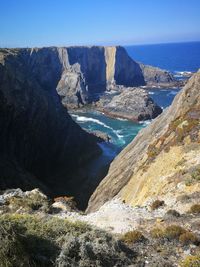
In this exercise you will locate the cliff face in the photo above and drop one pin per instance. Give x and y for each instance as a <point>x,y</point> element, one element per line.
<point>91,70</point>
<point>153,75</point>
<point>40,145</point>
<point>163,160</point>
<point>84,72</point>
<point>121,69</point>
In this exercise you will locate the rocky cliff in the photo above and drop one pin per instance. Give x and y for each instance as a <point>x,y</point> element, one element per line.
<point>40,145</point>
<point>92,70</point>
<point>131,103</point>
<point>85,72</point>
<point>162,161</point>
<point>153,75</point>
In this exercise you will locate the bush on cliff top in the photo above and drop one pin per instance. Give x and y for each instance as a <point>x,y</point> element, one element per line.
<point>30,241</point>
<point>157,204</point>
<point>133,237</point>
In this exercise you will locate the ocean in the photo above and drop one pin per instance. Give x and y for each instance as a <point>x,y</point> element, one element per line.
<point>177,58</point>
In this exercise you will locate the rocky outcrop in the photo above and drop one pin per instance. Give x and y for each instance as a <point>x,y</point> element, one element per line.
<point>132,104</point>
<point>162,161</point>
<point>40,145</point>
<point>93,70</point>
<point>83,73</point>
<point>153,75</point>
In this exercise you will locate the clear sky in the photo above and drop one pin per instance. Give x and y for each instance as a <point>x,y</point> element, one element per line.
<point>26,23</point>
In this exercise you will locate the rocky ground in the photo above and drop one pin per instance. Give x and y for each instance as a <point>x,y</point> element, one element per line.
<point>157,234</point>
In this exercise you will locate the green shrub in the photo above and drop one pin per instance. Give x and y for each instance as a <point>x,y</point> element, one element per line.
<point>133,237</point>
<point>196,174</point>
<point>195,209</point>
<point>12,248</point>
<point>188,238</point>
<point>173,213</point>
<point>191,261</point>
<point>173,232</point>
<point>42,238</point>
<point>157,232</point>
<point>33,241</point>
<point>170,232</point>
<point>95,249</point>
<point>157,204</point>
<point>30,240</point>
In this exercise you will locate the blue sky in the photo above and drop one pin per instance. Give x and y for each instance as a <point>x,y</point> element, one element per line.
<point>26,23</point>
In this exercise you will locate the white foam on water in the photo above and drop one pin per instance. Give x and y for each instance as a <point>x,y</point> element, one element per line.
<point>120,119</point>
<point>145,122</point>
<point>172,93</point>
<point>151,93</point>
<point>86,119</point>
<point>117,132</point>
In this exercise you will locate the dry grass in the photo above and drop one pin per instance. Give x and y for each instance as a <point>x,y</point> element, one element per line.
<point>195,209</point>
<point>157,204</point>
<point>133,237</point>
<point>191,261</point>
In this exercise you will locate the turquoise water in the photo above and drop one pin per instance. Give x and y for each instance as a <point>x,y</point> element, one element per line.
<point>121,131</point>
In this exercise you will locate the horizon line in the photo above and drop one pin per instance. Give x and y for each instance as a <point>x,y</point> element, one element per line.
<point>100,45</point>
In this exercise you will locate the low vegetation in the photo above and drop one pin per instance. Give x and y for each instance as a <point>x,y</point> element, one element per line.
<point>195,209</point>
<point>133,237</point>
<point>191,261</point>
<point>35,201</point>
<point>157,232</point>
<point>175,233</point>
<point>188,238</point>
<point>172,213</point>
<point>157,204</point>
<point>30,241</point>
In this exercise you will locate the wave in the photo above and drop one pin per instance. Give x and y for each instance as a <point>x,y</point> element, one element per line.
<point>145,123</point>
<point>151,93</point>
<point>117,133</point>
<point>183,72</point>
<point>172,93</point>
<point>86,119</point>
<point>120,119</point>
<point>180,74</point>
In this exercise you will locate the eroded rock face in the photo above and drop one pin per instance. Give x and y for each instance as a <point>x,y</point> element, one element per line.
<point>40,145</point>
<point>133,104</point>
<point>163,160</point>
<point>121,69</point>
<point>153,75</point>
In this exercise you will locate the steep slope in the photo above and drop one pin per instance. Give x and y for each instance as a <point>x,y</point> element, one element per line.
<point>163,160</point>
<point>40,145</point>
